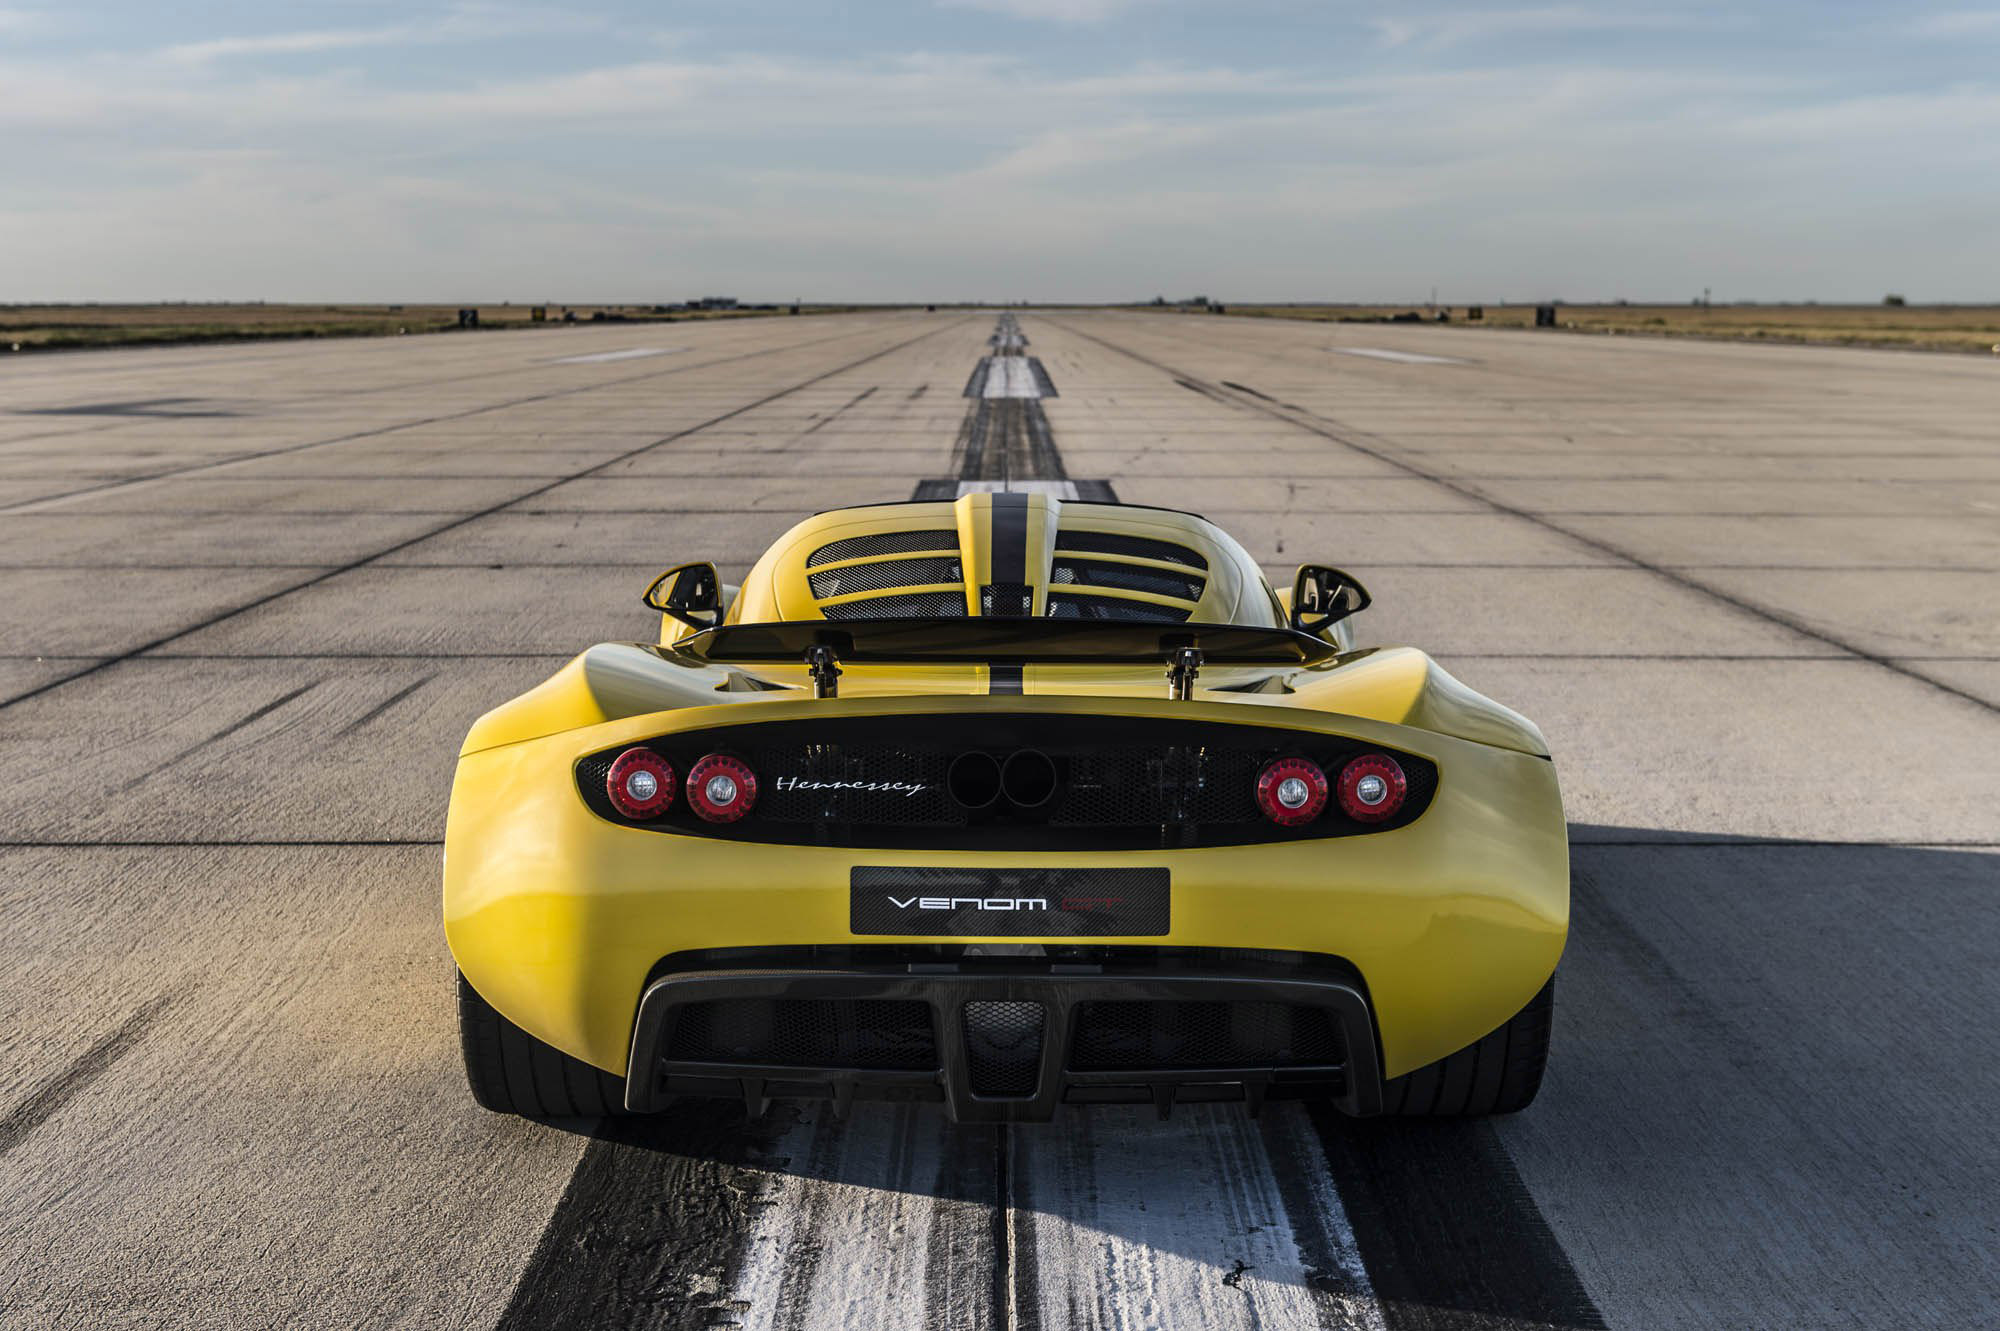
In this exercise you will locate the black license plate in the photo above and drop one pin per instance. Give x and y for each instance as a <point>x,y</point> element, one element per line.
<point>1009,903</point>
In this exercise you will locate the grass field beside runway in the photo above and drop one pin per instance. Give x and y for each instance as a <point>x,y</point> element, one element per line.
<point>1967,328</point>
<point>79,326</point>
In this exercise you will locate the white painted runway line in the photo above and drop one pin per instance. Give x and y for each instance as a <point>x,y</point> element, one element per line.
<point>1400,357</point>
<point>600,357</point>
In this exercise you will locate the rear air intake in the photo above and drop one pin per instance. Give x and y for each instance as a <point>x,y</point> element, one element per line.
<point>1003,1047</point>
<point>1064,605</point>
<point>905,605</point>
<point>1117,543</point>
<point>889,573</point>
<point>885,543</point>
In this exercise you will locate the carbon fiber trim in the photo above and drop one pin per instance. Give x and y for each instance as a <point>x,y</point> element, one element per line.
<point>883,543</point>
<point>1009,903</point>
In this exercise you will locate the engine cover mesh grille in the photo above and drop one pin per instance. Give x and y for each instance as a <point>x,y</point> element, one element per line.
<point>884,543</point>
<point>1139,547</point>
<point>889,573</point>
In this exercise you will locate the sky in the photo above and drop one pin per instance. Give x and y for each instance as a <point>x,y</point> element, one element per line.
<point>942,150</point>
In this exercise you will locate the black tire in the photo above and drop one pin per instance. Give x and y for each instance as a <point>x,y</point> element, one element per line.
<point>511,1072</point>
<point>1497,1075</point>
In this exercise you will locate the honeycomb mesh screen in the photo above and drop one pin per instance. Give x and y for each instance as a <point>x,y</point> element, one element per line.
<point>889,573</point>
<point>910,605</point>
<point>1003,1047</point>
<point>1067,605</point>
<point>884,543</point>
<point>1128,577</point>
<point>1139,547</point>
<point>1131,1036</point>
<point>807,1032</point>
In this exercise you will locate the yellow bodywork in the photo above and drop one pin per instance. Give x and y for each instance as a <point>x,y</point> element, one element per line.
<point>557,916</point>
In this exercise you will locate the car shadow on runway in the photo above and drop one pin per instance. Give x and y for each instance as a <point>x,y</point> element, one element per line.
<point>1756,1040</point>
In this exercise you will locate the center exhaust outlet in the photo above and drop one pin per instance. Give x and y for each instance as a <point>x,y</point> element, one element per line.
<point>1028,778</point>
<point>973,779</point>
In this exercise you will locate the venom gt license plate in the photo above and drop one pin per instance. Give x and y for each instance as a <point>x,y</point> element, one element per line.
<point>1014,903</point>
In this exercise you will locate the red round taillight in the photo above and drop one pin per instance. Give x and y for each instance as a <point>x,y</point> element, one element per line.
<point>721,789</point>
<point>1372,788</point>
<point>640,784</point>
<point>1291,791</point>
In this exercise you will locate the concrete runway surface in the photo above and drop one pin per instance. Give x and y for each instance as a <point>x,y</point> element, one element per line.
<point>255,594</point>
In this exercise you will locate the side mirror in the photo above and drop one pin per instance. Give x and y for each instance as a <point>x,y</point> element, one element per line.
<point>691,593</point>
<point>1322,597</point>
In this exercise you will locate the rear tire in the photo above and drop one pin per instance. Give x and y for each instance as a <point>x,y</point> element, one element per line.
<point>511,1072</point>
<point>1497,1075</point>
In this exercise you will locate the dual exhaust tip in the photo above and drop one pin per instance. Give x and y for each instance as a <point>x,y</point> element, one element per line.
<point>1026,777</point>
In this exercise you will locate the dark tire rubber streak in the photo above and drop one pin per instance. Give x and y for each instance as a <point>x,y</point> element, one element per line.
<point>462,520</point>
<point>1382,451</point>
<point>46,1100</point>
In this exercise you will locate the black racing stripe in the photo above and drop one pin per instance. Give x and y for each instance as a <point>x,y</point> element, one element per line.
<point>1010,538</point>
<point>1451,1237</point>
<point>1004,677</point>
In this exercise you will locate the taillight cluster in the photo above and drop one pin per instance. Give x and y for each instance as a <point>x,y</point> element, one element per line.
<point>1293,791</point>
<point>641,785</point>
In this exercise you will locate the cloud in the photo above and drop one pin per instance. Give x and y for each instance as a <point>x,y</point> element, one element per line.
<point>17,20</point>
<point>290,43</point>
<point>1959,23</point>
<point>461,23</point>
<point>1452,27</point>
<point>1076,13</point>
<point>236,166</point>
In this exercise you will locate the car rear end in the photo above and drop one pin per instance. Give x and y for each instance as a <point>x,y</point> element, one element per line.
<point>1006,903</point>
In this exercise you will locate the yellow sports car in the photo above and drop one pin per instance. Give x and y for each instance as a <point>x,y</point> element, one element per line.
<point>1005,802</point>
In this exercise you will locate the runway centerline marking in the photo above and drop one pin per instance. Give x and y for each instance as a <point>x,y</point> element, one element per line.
<point>1399,357</point>
<point>600,357</point>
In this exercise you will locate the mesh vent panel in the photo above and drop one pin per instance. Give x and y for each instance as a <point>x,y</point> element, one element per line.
<point>1164,785</point>
<point>1130,783</point>
<point>1130,1036</point>
<point>807,1032</point>
<point>884,543</point>
<point>1139,547</point>
<point>1003,1047</point>
<point>893,573</point>
<point>912,605</point>
<point>1128,577</point>
<point>1065,605</point>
